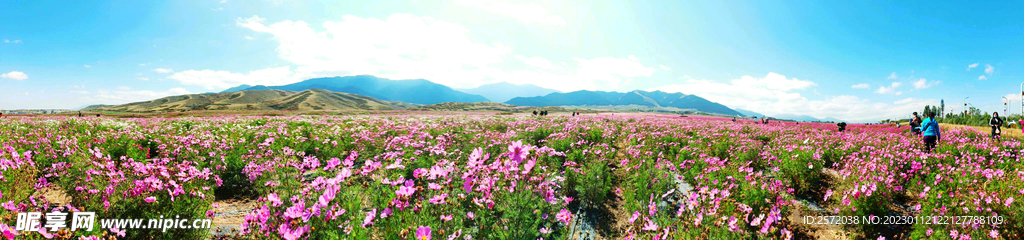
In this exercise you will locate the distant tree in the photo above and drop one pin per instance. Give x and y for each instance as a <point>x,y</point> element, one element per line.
<point>942,106</point>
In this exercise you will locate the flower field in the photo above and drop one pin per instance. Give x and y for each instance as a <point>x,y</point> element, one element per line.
<point>409,176</point>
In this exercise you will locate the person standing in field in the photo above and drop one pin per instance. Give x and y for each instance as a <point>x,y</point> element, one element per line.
<point>930,130</point>
<point>996,123</point>
<point>842,126</point>
<point>915,124</point>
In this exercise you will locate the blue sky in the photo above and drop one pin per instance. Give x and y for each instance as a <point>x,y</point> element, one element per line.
<point>791,57</point>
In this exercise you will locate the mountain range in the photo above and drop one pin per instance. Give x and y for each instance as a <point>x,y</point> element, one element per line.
<point>365,92</point>
<point>654,99</point>
<point>805,118</point>
<point>418,91</point>
<point>312,99</point>
<point>503,91</point>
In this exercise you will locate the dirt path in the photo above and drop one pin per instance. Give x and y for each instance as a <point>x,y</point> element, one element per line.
<point>229,215</point>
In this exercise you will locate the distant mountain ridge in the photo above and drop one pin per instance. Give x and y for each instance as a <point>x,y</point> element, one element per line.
<point>418,91</point>
<point>749,113</point>
<point>805,118</point>
<point>485,106</point>
<point>312,99</point>
<point>641,98</point>
<point>503,91</point>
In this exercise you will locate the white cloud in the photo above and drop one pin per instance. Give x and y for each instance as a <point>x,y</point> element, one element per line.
<point>163,70</point>
<point>217,9</point>
<point>538,62</point>
<point>989,69</point>
<point>87,66</point>
<point>611,71</point>
<point>142,78</point>
<point>861,86</point>
<point>526,13</point>
<point>14,42</point>
<point>893,76</point>
<point>248,37</point>
<point>126,95</point>
<point>142,64</point>
<point>14,75</point>
<point>775,94</point>
<point>891,89</point>
<point>210,79</point>
<point>409,47</point>
<point>663,67</point>
<point>982,77</point>
<point>923,83</point>
<point>974,65</point>
<point>79,92</point>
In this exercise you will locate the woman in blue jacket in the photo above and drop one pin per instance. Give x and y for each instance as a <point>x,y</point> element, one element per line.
<point>930,130</point>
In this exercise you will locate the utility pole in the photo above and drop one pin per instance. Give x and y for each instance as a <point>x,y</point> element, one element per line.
<point>1006,106</point>
<point>965,101</point>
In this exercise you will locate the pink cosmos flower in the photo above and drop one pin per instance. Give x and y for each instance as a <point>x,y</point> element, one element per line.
<point>7,232</point>
<point>291,234</point>
<point>564,216</point>
<point>467,184</point>
<point>1008,201</point>
<point>517,151</point>
<point>636,214</point>
<point>545,230</point>
<point>732,224</point>
<point>407,190</point>
<point>470,215</point>
<point>650,225</point>
<point>993,234</point>
<point>150,199</point>
<point>419,172</point>
<point>423,233</point>
<point>118,232</point>
<point>369,218</point>
<point>274,200</point>
<point>529,165</point>
<point>332,163</point>
<point>446,217</point>
<point>295,211</point>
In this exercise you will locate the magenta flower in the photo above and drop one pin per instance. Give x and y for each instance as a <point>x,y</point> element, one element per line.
<point>295,211</point>
<point>274,200</point>
<point>150,199</point>
<point>636,214</point>
<point>332,163</point>
<point>407,190</point>
<point>529,166</point>
<point>423,233</point>
<point>369,217</point>
<point>650,225</point>
<point>517,151</point>
<point>470,215</point>
<point>564,216</point>
<point>7,232</point>
<point>467,184</point>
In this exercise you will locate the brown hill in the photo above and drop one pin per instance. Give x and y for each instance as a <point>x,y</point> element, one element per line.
<point>313,99</point>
